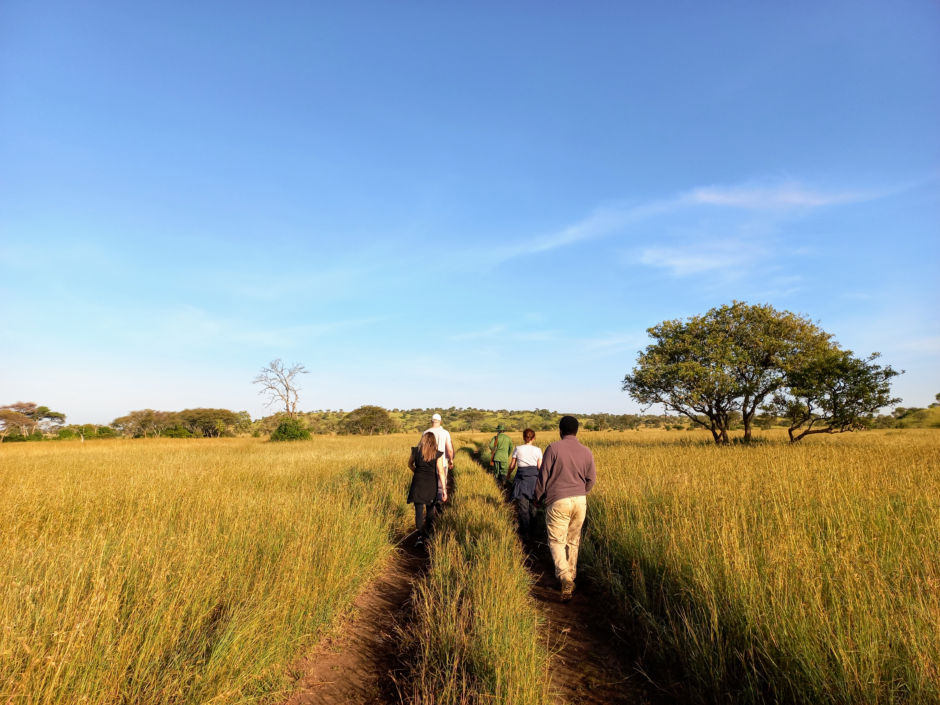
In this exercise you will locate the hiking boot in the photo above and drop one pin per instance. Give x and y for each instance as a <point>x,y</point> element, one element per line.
<point>419,543</point>
<point>567,589</point>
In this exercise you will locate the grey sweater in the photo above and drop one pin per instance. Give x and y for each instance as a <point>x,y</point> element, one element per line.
<point>567,471</point>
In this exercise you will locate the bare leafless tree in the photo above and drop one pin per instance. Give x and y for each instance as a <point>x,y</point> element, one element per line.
<point>278,383</point>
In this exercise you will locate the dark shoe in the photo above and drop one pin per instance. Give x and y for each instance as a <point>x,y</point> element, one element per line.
<point>420,542</point>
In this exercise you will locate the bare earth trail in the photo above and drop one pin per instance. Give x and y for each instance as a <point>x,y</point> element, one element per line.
<point>589,666</point>
<point>359,666</point>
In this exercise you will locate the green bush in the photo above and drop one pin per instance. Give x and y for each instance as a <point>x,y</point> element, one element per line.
<point>177,432</point>
<point>290,430</point>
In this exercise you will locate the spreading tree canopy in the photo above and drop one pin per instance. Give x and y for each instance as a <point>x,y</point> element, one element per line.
<point>832,393</point>
<point>367,420</point>
<point>712,367</point>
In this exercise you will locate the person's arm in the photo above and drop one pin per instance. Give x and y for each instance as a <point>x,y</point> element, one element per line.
<point>440,475</point>
<point>494,444</point>
<point>411,461</point>
<point>449,452</point>
<point>591,479</point>
<point>545,468</point>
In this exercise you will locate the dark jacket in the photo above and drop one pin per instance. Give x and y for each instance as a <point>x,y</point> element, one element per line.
<point>423,488</point>
<point>567,471</point>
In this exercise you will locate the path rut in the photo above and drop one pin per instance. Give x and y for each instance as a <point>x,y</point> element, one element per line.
<point>591,663</point>
<point>360,665</point>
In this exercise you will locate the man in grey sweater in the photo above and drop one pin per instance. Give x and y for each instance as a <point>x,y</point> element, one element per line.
<point>566,477</point>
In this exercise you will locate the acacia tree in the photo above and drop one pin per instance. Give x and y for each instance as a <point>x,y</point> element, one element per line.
<point>368,419</point>
<point>10,420</point>
<point>834,393</point>
<point>279,383</point>
<point>473,418</point>
<point>710,368</point>
<point>208,422</point>
<point>41,417</point>
<point>146,422</point>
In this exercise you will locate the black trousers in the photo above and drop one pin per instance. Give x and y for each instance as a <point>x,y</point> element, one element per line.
<point>525,510</point>
<point>423,524</point>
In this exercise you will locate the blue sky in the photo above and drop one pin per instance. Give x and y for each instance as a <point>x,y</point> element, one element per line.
<point>455,204</point>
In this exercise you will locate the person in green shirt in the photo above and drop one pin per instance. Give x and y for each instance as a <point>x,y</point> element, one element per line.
<point>501,448</point>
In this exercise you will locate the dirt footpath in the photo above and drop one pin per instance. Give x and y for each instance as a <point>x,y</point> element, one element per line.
<point>590,666</point>
<point>360,665</point>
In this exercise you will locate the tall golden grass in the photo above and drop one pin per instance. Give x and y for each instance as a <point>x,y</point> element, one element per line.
<point>167,571</point>
<point>476,636</point>
<point>777,572</point>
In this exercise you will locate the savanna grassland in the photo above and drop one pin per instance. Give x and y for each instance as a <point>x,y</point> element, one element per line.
<point>777,572</point>
<point>168,571</point>
<point>186,571</point>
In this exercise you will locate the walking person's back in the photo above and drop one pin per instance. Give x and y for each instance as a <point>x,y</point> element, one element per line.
<point>446,446</point>
<point>501,448</point>
<point>566,477</point>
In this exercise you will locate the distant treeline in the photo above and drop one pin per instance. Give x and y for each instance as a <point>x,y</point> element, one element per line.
<point>26,421</point>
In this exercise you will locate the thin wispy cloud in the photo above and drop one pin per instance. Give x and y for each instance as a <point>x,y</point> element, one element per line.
<point>778,197</point>
<point>685,260</point>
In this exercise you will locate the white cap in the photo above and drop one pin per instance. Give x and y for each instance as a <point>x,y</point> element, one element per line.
<point>436,417</point>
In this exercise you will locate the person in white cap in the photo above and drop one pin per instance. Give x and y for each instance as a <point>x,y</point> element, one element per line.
<point>445,446</point>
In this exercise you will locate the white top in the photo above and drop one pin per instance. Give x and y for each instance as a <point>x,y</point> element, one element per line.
<point>527,456</point>
<point>443,436</point>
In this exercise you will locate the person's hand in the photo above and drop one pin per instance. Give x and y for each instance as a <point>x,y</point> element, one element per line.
<point>444,496</point>
<point>450,465</point>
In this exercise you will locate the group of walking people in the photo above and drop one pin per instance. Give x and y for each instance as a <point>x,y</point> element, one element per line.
<point>558,480</point>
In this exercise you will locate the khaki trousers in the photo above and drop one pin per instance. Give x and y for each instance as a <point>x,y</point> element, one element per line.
<point>564,519</point>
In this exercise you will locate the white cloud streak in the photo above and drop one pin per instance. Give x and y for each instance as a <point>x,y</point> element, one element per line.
<point>777,200</point>
<point>687,260</point>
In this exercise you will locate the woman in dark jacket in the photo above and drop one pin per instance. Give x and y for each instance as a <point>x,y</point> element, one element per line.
<point>427,464</point>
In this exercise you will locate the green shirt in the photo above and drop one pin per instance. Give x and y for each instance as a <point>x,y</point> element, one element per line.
<point>503,448</point>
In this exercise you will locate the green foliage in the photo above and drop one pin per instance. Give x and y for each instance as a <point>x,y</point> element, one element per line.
<point>177,432</point>
<point>723,365</point>
<point>290,430</point>
<point>834,392</point>
<point>367,420</point>
<point>209,422</point>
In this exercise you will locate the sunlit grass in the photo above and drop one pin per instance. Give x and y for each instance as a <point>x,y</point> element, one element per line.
<point>776,572</point>
<point>162,571</point>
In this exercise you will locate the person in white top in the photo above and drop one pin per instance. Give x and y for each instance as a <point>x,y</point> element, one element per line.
<point>444,445</point>
<point>526,460</point>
